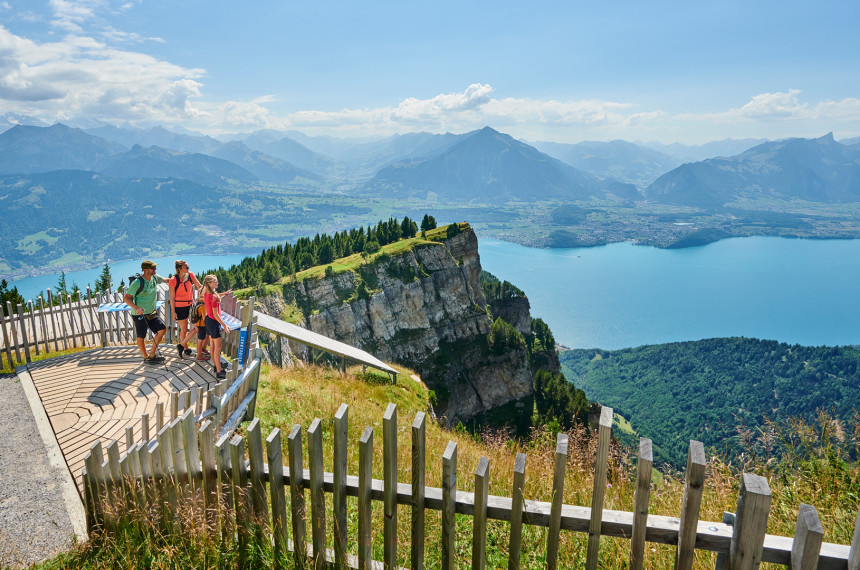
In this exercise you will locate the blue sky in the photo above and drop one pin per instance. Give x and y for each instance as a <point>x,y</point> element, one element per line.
<point>561,71</point>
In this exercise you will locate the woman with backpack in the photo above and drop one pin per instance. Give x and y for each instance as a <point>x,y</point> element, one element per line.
<point>198,315</point>
<point>214,323</point>
<point>181,298</point>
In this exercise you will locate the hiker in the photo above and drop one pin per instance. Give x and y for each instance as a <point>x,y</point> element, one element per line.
<point>214,323</point>
<point>141,297</point>
<point>199,316</point>
<point>181,299</point>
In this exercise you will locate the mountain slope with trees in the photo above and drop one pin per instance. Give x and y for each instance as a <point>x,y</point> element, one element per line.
<point>705,389</point>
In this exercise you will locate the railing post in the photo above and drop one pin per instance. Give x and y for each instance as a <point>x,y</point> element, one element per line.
<point>258,485</point>
<point>239,485</point>
<point>750,523</point>
<point>33,326</point>
<point>640,503</point>
<point>389,460</point>
<point>517,500</point>
<point>419,474</point>
<point>604,435</point>
<point>695,480</point>
<point>297,496</point>
<point>808,536</point>
<point>25,342</point>
<point>479,522</point>
<point>279,502</point>
<point>341,428</point>
<point>365,478</point>
<point>315,464</point>
<point>449,505</point>
<point>557,501</point>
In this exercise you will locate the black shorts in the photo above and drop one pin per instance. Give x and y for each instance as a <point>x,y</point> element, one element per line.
<point>213,327</point>
<point>201,332</point>
<point>182,312</point>
<point>151,322</point>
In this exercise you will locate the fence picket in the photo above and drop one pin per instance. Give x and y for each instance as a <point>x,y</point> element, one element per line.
<point>42,321</point>
<point>6,344</point>
<point>640,503</point>
<point>33,328</point>
<point>239,483</point>
<point>225,493</point>
<point>257,475</point>
<point>24,339</point>
<point>750,523</point>
<point>62,318</point>
<point>276,492</point>
<point>54,328</point>
<point>192,450</point>
<point>315,464</point>
<point>604,435</point>
<point>694,485</point>
<point>95,488</point>
<point>557,501</point>
<point>479,518</point>
<point>208,471</point>
<point>854,551</point>
<point>341,428</point>
<point>449,500</point>
<point>517,500</point>
<point>365,484</point>
<point>297,496</point>
<point>10,316</point>
<point>389,466</point>
<point>808,536</point>
<point>419,476</point>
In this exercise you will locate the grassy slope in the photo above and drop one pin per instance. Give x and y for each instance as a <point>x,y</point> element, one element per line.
<point>297,396</point>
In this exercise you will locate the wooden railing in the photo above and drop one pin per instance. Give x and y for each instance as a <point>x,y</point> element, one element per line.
<point>191,466</point>
<point>71,321</point>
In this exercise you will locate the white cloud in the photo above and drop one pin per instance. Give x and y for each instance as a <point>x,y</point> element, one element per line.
<point>82,77</point>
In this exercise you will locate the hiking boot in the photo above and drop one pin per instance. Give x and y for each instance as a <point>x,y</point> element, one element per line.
<point>202,358</point>
<point>154,359</point>
<point>221,375</point>
<point>180,350</point>
<point>207,354</point>
<point>188,352</point>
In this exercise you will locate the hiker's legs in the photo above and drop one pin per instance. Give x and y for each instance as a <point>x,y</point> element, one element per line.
<point>216,353</point>
<point>141,329</point>
<point>157,340</point>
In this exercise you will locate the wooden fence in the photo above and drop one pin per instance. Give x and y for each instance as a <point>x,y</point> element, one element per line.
<point>185,465</point>
<point>65,322</point>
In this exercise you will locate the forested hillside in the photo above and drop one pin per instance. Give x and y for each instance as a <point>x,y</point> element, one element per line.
<point>705,389</point>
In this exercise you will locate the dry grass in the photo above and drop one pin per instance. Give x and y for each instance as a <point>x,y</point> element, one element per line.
<point>818,473</point>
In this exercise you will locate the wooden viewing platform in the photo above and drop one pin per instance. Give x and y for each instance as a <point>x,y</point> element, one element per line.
<point>95,395</point>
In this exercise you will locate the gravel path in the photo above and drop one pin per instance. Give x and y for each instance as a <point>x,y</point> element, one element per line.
<point>34,520</point>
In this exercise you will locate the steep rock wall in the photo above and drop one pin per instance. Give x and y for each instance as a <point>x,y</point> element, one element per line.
<point>427,311</point>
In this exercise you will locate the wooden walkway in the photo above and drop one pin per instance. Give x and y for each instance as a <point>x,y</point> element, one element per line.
<point>96,395</point>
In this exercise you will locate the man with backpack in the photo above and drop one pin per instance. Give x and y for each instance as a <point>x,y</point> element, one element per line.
<point>141,297</point>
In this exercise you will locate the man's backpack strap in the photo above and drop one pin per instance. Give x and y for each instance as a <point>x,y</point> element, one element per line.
<point>140,287</point>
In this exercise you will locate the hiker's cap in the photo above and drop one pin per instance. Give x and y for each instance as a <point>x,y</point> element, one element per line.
<point>148,264</point>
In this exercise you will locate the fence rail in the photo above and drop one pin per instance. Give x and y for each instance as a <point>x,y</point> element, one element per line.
<point>65,322</point>
<point>189,465</point>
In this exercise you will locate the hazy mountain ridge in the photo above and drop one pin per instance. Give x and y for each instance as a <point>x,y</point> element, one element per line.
<point>157,162</point>
<point>621,160</point>
<point>483,166</point>
<point>26,149</point>
<point>817,170</point>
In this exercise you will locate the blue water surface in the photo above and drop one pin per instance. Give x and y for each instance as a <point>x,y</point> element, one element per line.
<point>623,295</point>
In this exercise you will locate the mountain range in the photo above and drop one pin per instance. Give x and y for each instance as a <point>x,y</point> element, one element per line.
<point>815,170</point>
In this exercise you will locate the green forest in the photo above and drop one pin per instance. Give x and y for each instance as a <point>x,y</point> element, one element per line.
<point>715,390</point>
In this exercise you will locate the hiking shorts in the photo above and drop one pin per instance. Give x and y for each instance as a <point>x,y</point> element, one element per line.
<point>201,332</point>
<point>151,322</point>
<point>182,312</point>
<point>213,327</point>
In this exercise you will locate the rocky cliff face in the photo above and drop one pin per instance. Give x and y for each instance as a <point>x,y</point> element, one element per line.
<point>424,308</point>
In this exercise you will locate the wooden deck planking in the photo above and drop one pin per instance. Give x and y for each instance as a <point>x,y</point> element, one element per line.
<point>96,395</point>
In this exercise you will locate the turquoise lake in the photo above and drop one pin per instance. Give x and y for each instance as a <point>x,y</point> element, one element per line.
<point>622,295</point>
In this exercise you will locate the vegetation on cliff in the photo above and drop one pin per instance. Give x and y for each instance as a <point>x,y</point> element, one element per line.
<point>706,389</point>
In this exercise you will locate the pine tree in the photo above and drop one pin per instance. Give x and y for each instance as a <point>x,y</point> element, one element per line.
<point>105,280</point>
